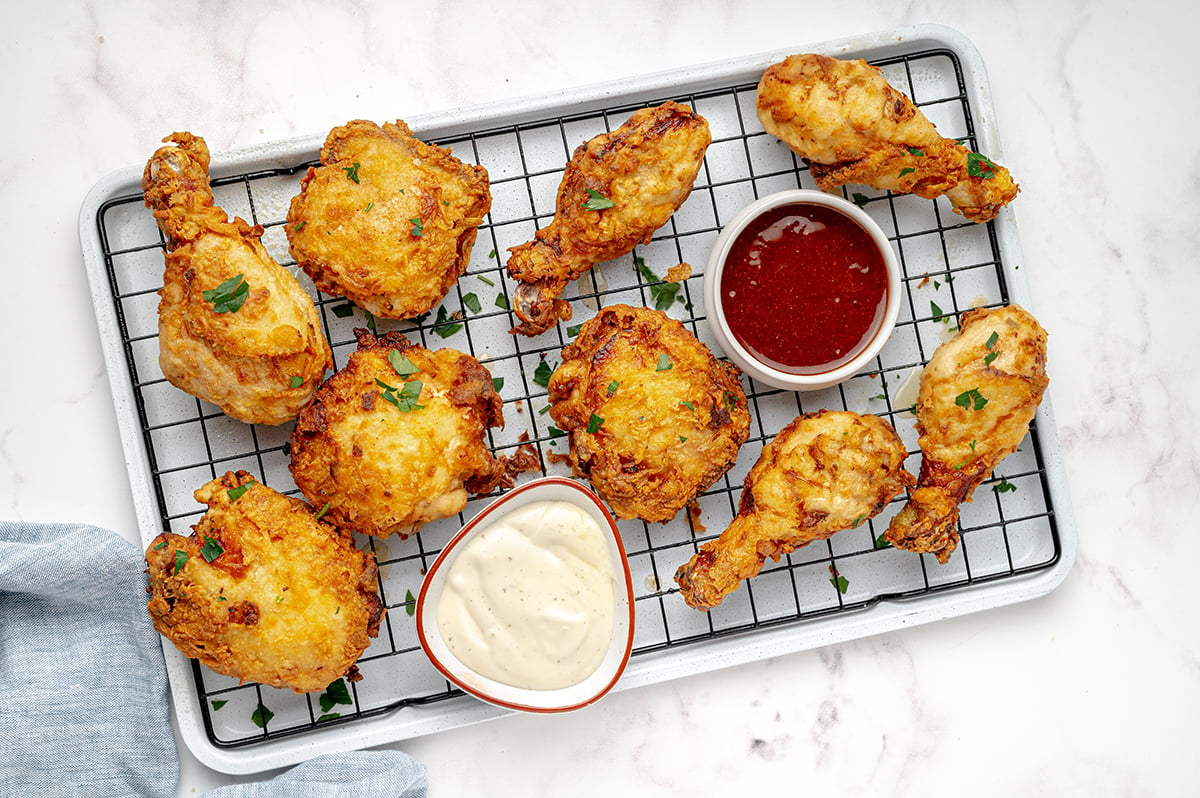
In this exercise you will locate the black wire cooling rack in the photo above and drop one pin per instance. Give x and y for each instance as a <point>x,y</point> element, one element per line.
<point>948,265</point>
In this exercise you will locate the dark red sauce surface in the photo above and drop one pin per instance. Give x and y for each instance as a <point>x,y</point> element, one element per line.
<point>803,288</point>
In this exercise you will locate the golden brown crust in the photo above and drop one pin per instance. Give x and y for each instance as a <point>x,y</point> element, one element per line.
<point>673,422</point>
<point>288,601</point>
<point>963,440</point>
<point>823,472</point>
<point>387,220</point>
<point>245,361</point>
<point>646,168</point>
<point>851,126</point>
<point>387,467</point>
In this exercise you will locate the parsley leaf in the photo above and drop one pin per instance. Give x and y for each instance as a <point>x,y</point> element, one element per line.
<point>881,542</point>
<point>229,295</point>
<point>688,405</point>
<point>596,201</point>
<point>471,302</point>
<point>410,603</point>
<point>336,693</point>
<point>417,229</point>
<point>486,280</point>
<point>324,510</point>
<point>296,381</point>
<point>664,294</point>
<point>443,324</point>
<point>211,549</point>
<point>239,491</point>
<point>401,364</point>
<point>541,375</point>
<point>979,166</point>
<point>262,716</point>
<point>555,432</point>
<point>497,384</point>
<point>989,357</point>
<point>664,363</point>
<point>218,704</point>
<point>404,399</point>
<point>838,581</point>
<point>594,424</point>
<point>1004,486</point>
<point>343,310</point>
<point>181,558</point>
<point>938,315</point>
<point>574,329</point>
<point>971,400</point>
<point>352,171</point>
<point>992,339</point>
<point>860,199</point>
<point>612,387</point>
<point>501,301</point>
<point>908,170</point>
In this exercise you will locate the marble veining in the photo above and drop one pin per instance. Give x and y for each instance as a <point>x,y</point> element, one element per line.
<point>1091,690</point>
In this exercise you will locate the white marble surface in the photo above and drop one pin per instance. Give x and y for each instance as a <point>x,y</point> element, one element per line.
<point>1093,690</point>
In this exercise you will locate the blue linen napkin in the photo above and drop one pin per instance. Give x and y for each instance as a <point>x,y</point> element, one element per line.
<point>83,686</point>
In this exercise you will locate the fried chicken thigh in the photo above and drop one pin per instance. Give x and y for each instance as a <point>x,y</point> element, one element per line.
<point>977,397</point>
<point>262,590</point>
<point>823,472</point>
<point>617,189</point>
<point>386,220</point>
<point>395,439</point>
<point>235,328</point>
<point>844,119</point>
<point>654,418</point>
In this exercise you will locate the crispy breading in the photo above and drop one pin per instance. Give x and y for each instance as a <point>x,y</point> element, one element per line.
<point>262,591</point>
<point>977,397</point>
<point>260,361</point>
<point>639,174</point>
<point>386,220</point>
<point>396,438</point>
<point>823,472</point>
<point>673,416</point>
<point>851,126</point>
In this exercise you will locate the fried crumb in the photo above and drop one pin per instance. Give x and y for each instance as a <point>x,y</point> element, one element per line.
<point>679,273</point>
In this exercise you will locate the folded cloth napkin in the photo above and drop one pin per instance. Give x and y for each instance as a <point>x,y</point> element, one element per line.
<point>84,707</point>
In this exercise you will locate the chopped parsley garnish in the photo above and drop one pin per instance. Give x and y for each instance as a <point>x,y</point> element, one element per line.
<point>492,254</point>
<point>401,364</point>
<point>410,603</point>
<point>1004,486</point>
<point>296,381</point>
<point>229,295</point>
<point>217,704</point>
<point>297,229</point>
<point>915,151</point>
<point>596,201</point>
<point>161,546</point>
<point>730,401</point>
<point>343,310</point>
<point>370,320</point>
<point>574,329</point>
<point>971,400</point>
<point>594,424</point>
<point>860,199</point>
<point>336,693</point>
<point>992,339</point>
<point>324,510</point>
<point>612,387</point>
<point>502,301</point>
<point>211,549</point>
<point>181,558</point>
<point>908,170</point>
<point>447,324</point>
<point>497,384</point>
<point>979,166</point>
<point>370,205</point>
<point>688,405</point>
<point>664,294</point>
<point>487,280</point>
<point>555,432</point>
<point>404,399</point>
<point>352,171</point>
<point>838,581</point>
<point>239,491</point>
<point>858,522</point>
<point>541,375</point>
<point>938,314</point>
<point>417,229</point>
<point>664,363</point>
<point>543,411</point>
<point>262,716</point>
<point>878,396</point>
<point>471,302</point>
<point>881,541</point>
<point>989,357</point>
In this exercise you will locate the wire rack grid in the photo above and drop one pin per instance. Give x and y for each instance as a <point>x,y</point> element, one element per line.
<point>948,265</point>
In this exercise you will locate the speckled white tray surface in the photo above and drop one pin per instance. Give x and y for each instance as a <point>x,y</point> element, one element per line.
<point>1018,543</point>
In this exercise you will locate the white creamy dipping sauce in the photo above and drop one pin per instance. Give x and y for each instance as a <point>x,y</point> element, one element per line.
<point>529,600</point>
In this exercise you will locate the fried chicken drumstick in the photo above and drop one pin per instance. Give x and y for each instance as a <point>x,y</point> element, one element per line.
<point>823,472</point>
<point>234,327</point>
<point>617,189</point>
<point>844,119</point>
<point>977,396</point>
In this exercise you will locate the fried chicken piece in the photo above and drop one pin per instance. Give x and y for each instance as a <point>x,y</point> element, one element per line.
<point>977,396</point>
<point>823,472</point>
<point>396,438</point>
<point>654,419</point>
<point>844,119</point>
<point>263,591</point>
<point>234,327</point>
<point>386,220</point>
<point>617,189</point>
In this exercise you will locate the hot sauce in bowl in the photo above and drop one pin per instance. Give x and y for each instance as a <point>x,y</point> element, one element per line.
<point>802,290</point>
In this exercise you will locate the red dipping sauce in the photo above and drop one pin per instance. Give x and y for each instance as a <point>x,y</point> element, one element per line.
<point>803,288</point>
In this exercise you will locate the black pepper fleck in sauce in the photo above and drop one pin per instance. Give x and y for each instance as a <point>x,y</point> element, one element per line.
<point>803,288</point>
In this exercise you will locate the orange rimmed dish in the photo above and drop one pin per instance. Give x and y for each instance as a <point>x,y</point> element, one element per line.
<point>802,290</point>
<point>530,605</point>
